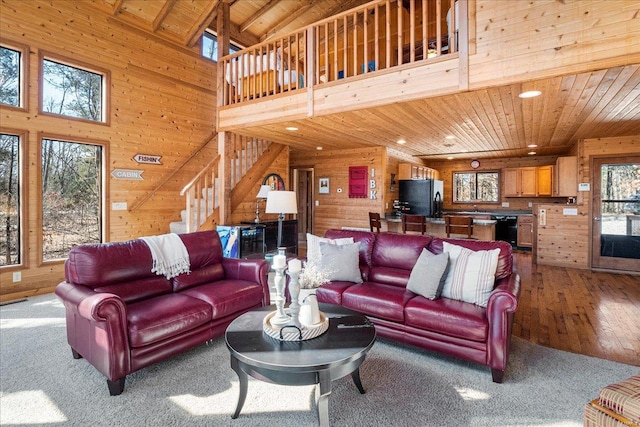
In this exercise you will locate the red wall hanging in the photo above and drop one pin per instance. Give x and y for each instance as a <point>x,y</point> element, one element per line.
<point>358,182</point>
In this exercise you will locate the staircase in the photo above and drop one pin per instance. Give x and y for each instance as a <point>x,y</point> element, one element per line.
<point>202,193</point>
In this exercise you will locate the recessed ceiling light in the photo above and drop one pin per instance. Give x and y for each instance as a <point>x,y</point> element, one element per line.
<point>532,145</point>
<point>450,158</point>
<point>450,137</point>
<point>530,94</point>
<point>464,151</point>
<point>291,128</point>
<point>531,153</point>
<point>319,148</point>
<point>402,141</point>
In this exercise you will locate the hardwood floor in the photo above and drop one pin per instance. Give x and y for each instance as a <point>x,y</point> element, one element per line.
<point>581,311</point>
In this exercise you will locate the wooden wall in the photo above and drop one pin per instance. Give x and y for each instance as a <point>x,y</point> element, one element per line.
<point>448,167</point>
<point>336,210</point>
<point>162,102</point>
<point>565,240</point>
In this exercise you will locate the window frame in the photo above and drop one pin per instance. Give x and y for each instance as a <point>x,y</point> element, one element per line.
<point>474,172</point>
<point>232,45</point>
<point>24,74</point>
<point>23,177</point>
<point>104,182</point>
<point>106,84</point>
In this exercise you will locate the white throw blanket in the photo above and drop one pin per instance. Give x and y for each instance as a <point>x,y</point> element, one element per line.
<point>170,256</point>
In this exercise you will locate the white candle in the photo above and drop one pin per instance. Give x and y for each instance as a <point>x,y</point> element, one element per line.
<point>279,261</point>
<point>295,265</point>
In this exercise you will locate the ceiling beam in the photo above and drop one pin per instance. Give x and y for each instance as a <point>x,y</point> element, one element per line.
<point>164,11</point>
<point>263,10</point>
<point>298,13</point>
<point>205,19</point>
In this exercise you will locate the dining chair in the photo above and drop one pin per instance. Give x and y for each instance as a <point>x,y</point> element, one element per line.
<point>414,223</point>
<point>374,221</point>
<point>457,224</point>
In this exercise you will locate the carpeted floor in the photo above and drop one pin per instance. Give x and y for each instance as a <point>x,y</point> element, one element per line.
<point>41,384</point>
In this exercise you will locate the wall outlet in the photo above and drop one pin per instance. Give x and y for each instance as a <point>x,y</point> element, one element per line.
<point>505,204</point>
<point>530,204</point>
<point>317,202</point>
<point>119,206</point>
<point>17,276</point>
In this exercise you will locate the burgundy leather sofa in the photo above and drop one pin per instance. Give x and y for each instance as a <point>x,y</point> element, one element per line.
<point>121,317</point>
<point>452,327</point>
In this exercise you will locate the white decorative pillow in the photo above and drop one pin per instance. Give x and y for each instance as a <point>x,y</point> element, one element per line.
<point>313,246</point>
<point>471,274</point>
<point>341,262</point>
<point>428,274</point>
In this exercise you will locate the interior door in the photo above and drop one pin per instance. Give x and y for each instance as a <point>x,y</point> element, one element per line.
<point>303,178</point>
<point>616,213</point>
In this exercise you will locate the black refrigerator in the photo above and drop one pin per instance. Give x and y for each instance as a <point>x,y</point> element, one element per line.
<point>421,196</point>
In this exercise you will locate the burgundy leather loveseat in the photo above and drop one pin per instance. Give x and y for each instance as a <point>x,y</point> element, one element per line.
<point>453,327</point>
<point>122,317</point>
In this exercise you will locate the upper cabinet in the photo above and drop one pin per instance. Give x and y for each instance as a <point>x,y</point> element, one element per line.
<point>412,171</point>
<point>545,181</point>
<point>520,182</point>
<point>565,183</point>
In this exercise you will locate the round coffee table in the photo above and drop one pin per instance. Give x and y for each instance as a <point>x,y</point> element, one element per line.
<point>338,352</point>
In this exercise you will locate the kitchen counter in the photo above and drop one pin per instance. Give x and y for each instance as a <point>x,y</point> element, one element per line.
<point>483,229</point>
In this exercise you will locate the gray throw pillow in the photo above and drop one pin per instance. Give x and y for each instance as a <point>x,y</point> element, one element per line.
<point>341,262</point>
<point>428,275</point>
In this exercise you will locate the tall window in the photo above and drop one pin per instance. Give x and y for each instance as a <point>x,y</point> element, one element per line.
<point>10,87</point>
<point>469,187</point>
<point>10,213</point>
<point>72,91</point>
<point>210,46</point>
<point>72,196</point>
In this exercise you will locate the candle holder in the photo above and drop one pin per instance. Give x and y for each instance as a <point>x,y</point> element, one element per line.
<point>294,292</point>
<point>279,265</point>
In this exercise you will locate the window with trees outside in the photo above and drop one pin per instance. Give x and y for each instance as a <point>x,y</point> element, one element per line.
<point>10,85</point>
<point>73,92</point>
<point>210,46</point>
<point>10,200</point>
<point>472,187</point>
<point>72,196</point>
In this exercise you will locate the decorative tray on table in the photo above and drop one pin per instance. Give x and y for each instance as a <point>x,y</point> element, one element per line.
<point>290,332</point>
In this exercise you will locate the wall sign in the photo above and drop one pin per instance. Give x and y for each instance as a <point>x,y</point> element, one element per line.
<point>127,174</point>
<point>148,159</point>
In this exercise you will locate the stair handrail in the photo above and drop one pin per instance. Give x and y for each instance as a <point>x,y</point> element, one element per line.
<point>171,175</point>
<point>200,174</point>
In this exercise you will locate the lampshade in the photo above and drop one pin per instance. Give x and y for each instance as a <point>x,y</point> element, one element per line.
<point>264,190</point>
<point>281,202</point>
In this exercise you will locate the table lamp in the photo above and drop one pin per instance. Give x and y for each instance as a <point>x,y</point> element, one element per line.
<point>281,202</point>
<point>262,194</point>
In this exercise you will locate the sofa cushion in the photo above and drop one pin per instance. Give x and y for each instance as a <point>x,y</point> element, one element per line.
<point>331,292</point>
<point>505,260</point>
<point>313,245</point>
<point>449,317</point>
<point>204,248</point>
<point>429,274</point>
<point>377,300</point>
<point>165,316</point>
<point>137,290</point>
<point>399,251</point>
<point>207,274</point>
<point>340,262</point>
<point>227,297</point>
<point>471,277</point>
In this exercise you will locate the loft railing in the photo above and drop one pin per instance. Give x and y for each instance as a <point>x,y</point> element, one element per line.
<point>379,35</point>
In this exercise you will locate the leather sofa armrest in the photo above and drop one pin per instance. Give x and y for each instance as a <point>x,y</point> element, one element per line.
<point>97,328</point>
<point>252,270</point>
<point>503,302</point>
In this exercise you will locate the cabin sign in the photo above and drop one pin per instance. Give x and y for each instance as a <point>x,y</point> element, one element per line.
<point>127,174</point>
<point>148,159</point>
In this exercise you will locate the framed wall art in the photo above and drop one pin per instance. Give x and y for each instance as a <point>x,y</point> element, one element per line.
<point>323,186</point>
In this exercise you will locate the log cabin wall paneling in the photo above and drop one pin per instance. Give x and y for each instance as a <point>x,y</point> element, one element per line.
<point>336,209</point>
<point>447,168</point>
<point>162,102</point>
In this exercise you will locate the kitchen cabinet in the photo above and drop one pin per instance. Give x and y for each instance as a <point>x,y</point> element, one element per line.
<point>545,181</point>
<point>565,183</point>
<point>412,171</point>
<point>519,182</point>
<point>525,231</point>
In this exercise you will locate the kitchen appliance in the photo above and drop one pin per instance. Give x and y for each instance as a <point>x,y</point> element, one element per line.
<point>419,196</point>
<point>507,228</point>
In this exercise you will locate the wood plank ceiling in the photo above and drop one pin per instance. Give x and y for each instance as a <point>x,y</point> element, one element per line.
<point>484,123</point>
